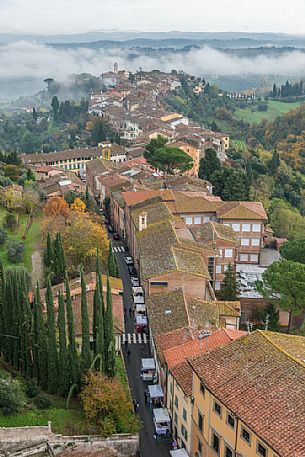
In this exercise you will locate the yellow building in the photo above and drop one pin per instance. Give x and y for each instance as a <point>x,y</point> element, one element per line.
<point>180,380</point>
<point>170,117</point>
<point>226,141</point>
<point>249,398</point>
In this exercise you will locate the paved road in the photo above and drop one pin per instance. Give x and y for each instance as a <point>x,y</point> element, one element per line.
<point>148,446</point>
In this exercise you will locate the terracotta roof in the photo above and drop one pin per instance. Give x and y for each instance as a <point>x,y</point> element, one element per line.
<point>132,198</point>
<point>263,384</point>
<point>211,231</point>
<point>242,210</point>
<point>194,202</point>
<point>61,155</point>
<point>183,375</point>
<point>156,213</point>
<point>167,312</point>
<point>193,348</point>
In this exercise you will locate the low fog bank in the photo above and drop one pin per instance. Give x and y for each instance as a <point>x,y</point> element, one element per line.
<point>24,61</point>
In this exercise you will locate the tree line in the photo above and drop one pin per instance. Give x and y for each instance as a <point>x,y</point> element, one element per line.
<point>42,346</point>
<point>287,90</point>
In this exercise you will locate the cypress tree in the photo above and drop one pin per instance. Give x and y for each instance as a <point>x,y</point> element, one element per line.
<point>85,352</point>
<point>112,264</point>
<point>52,344</point>
<point>16,301</point>
<point>110,366</point>
<point>40,347</point>
<point>229,289</point>
<point>59,262</point>
<point>48,252</point>
<point>95,303</point>
<point>87,199</point>
<point>63,375</point>
<point>25,326</point>
<point>73,360</point>
<point>98,307</point>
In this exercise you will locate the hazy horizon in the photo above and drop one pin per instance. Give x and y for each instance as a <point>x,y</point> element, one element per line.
<point>70,16</point>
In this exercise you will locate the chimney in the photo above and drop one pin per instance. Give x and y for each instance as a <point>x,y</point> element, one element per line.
<point>142,221</point>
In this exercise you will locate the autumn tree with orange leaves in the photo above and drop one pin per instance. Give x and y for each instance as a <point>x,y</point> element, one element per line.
<point>106,404</point>
<point>56,206</point>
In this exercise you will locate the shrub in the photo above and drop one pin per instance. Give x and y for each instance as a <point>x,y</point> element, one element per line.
<point>32,389</point>
<point>12,398</point>
<point>10,221</point>
<point>42,402</point>
<point>3,236</point>
<point>15,251</point>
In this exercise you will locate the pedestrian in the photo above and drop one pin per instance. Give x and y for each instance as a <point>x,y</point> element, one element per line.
<point>146,396</point>
<point>135,405</point>
<point>130,311</point>
<point>128,353</point>
<point>175,445</point>
<point>126,343</point>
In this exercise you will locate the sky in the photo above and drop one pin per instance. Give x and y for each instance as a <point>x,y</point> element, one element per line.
<point>71,16</point>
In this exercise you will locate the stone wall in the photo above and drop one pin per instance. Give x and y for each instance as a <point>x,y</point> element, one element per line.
<point>27,441</point>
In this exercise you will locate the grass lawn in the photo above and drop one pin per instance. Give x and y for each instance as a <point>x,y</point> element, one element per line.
<point>275,109</point>
<point>32,238</point>
<point>64,421</point>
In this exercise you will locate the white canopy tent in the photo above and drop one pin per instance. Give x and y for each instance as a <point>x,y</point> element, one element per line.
<point>155,391</point>
<point>179,453</point>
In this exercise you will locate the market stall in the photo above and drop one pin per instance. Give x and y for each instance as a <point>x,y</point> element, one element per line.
<point>148,369</point>
<point>161,421</point>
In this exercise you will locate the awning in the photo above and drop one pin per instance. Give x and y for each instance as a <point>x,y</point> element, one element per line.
<point>161,415</point>
<point>141,320</point>
<point>148,364</point>
<point>155,391</point>
<point>179,453</point>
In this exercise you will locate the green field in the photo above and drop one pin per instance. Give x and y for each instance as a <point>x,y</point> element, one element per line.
<point>30,241</point>
<point>274,109</point>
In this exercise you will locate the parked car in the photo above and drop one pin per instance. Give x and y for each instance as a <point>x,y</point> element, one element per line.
<point>116,236</point>
<point>135,281</point>
<point>129,260</point>
<point>132,271</point>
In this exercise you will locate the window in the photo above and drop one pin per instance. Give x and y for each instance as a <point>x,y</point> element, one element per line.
<point>217,408</point>
<point>236,227</point>
<point>256,227</point>
<point>220,252</point>
<point>217,285</point>
<point>256,241</point>
<point>261,450</point>
<point>184,414</point>
<point>228,451</point>
<point>215,442</point>
<point>171,388</point>
<point>230,421</point>
<point>228,252</point>
<point>218,268</point>
<point>245,227</point>
<point>206,219</point>
<point>202,388</point>
<point>158,283</point>
<point>225,267</point>
<point>254,257</point>
<point>189,220</point>
<point>176,401</point>
<point>199,447</point>
<point>200,421</point>
<point>197,220</point>
<point>243,257</point>
<point>244,242</point>
<point>171,404</point>
<point>176,418</point>
<point>184,432</point>
<point>245,435</point>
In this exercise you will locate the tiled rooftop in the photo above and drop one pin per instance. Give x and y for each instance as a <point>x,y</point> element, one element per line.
<point>261,379</point>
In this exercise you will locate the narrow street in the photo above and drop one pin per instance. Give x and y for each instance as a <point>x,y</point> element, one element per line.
<point>148,445</point>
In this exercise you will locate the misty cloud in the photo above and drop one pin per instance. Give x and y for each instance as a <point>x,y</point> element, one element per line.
<point>26,59</point>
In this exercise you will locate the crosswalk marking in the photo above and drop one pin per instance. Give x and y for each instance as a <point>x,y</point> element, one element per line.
<point>134,338</point>
<point>118,249</point>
